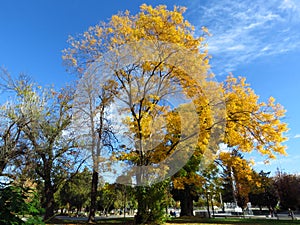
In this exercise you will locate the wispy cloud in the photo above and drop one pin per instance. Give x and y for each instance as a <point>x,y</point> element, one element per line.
<point>245,30</point>
<point>297,136</point>
<point>291,5</point>
<point>286,164</point>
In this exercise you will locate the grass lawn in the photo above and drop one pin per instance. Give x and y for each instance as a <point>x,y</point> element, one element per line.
<point>229,221</point>
<point>110,221</point>
<point>188,221</point>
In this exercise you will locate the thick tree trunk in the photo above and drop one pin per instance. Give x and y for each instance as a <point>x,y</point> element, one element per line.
<point>186,203</point>
<point>142,215</point>
<point>49,197</point>
<point>93,207</point>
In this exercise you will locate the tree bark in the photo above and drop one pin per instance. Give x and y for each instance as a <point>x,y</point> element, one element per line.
<point>49,197</point>
<point>93,207</point>
<point>186,203</point>
<point>2,166</point>
<point>207,205</point>
<point>141,216</point>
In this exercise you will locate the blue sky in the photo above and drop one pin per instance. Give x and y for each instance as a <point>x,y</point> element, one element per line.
<point>251,38</point>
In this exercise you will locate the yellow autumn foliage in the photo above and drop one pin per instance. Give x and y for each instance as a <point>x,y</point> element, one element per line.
<point>249,124</point>
<point>253,125</point>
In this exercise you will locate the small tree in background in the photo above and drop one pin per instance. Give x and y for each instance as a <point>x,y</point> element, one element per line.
<point>74,192</point>
<point>288,187</point>
<point>265,194</point>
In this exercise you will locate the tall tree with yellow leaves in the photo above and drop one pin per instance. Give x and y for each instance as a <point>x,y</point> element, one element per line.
<point>250,126</point>
<point>155,44</point>
<point>152,56</point>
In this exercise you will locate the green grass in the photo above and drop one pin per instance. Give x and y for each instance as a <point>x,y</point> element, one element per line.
<point>195,220</point>
<point>188,221</point>
<point>109,221</point>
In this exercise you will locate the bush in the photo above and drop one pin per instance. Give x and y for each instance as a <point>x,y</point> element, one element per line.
<point>19,205</point>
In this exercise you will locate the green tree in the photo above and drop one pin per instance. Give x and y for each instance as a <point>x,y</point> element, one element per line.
<point>109,198</point>
<point>187,184</point>
<point>212,185</point>
<point>74,193</point>
<point>17,202</point>
<point>49,146</point>
<point>265,194</point>
<point>288,189</point>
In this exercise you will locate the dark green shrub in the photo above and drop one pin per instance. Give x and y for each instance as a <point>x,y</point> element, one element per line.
<point>19,205</point>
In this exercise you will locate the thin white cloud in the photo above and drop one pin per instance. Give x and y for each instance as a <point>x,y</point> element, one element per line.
<point>297,136</point>
<point>259,163</point>
<point>290,4</point>
<point>244,30</point>
<point>236,48</point>
<point>286,164</point>
<point>287,4</point>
